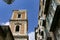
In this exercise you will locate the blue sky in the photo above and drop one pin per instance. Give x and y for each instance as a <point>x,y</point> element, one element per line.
<point>31,6</point>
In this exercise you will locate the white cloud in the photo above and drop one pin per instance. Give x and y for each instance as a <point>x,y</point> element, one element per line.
<point>31,36</point>
<point>6,23</point>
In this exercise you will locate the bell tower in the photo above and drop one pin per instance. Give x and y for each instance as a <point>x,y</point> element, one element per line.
<point>19,24</point>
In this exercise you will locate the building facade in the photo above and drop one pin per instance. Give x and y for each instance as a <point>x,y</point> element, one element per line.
<point>19,25</point>
<point>5,33</point>
<point>40,30</point>
<point>48,20</point>
<point>52,19</point>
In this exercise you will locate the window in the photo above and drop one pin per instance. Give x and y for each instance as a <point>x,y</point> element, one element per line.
<point>44,23</point>
<point>42,34</point>
<point>43,2</point>
<point>17,28</point>
<point>19,15</point>
<point>39,31</point>
<point>42,13</point>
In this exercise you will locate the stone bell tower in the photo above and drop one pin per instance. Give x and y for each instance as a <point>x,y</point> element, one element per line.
<point>19,24</point>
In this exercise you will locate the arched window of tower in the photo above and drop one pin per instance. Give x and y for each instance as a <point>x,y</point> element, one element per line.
<point>17,28</point>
